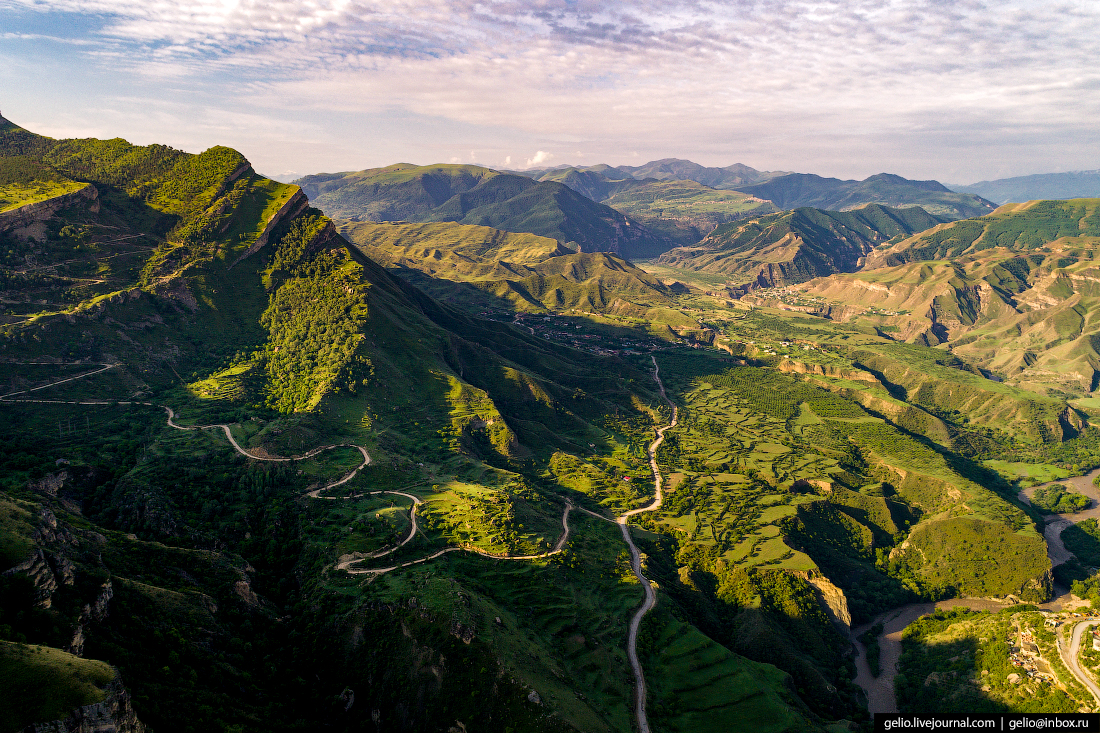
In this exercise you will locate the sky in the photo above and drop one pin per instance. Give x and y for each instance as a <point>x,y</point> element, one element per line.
<point>954,90</point>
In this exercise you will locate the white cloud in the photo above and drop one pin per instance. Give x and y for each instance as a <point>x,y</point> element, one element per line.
<point>539,158</point>
<point>857,85</point>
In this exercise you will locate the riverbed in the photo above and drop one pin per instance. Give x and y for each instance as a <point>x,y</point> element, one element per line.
<point>880,690</point>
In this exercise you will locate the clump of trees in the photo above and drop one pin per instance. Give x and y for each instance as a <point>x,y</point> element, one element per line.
<point>1057,499</point>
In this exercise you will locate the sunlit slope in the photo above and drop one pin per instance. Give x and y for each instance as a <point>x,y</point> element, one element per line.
<point>479,196</point>
<point>795,246</point>
<point>519,271</point>
<point>773,471</point>
<point>301,342</point>
<point>801,189</point>
<point>1014,292</point>
<point>41,685</point>
<point>453,251</point>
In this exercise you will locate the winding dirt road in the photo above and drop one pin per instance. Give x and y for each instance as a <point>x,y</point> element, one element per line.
<point>636,562</point>
<point>345,562</point>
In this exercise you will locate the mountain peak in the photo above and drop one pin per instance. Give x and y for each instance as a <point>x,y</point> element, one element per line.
<point>897,180</point>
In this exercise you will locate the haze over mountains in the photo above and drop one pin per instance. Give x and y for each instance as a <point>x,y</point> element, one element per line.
<point>646,209</point>
<point>1078,184</point>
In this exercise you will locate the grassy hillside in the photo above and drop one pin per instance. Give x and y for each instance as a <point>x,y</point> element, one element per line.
<point>226,591</point>
<point>800,189</point>
<point>25,180</point>
<point>796,246</point>
<point>1011,292</point>
<point>40,684</point>
<point>482,197</point>
<point>452,251</point>
<point>805,481</point>
<point>683,210</point>
<point>510,272</point>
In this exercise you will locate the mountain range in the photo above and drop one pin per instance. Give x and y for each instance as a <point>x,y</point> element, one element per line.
<point>473,195</point>
<point>414,468</point>
<point>799,245</point>
<point>1074,185</point>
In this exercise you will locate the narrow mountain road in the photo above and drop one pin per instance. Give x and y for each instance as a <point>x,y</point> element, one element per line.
<point>54,384</point>
<point>1070,657</point>
<point>558,547</point>
<point>347,561</point>
<point>636,562</point>
<point>565,527</point>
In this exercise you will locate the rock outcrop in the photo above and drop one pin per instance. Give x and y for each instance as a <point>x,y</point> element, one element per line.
<point>115,714</point>
<point>27,221</point>
<point>295,205</point>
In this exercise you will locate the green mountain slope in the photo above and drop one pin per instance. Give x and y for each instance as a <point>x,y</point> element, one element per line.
<point>795,246</point>
<point>1074,185</point>
<point>479,196</point>
<point>526,272</point>
<point>196,366</point>
<point>801,189</point>
<point>226,593</point>
<point>684,211</point>
<point>453,251</point>
<point>1012,292</point>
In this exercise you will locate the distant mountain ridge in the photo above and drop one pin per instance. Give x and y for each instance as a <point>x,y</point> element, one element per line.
<point>666,169</point>
<point>798,245</point>
<point>785,190</point>
<point>1072,185</point>
<point>469,194</point>
<point>684,210</point>
<point>804,189</point>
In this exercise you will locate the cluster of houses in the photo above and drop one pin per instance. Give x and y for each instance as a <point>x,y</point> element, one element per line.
<point>1024,654</point>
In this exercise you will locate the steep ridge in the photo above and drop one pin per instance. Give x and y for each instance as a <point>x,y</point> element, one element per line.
<point>802,189</point>
<point>799,245</point>
<point>303,344</point>
<point>453,251</point>
<point>479,196</point>
<point>666,169</point>
<point>684,210</point>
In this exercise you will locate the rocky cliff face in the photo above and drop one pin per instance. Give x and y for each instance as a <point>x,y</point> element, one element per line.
<point>834,600</point>
<point>114,714</point>
<point>26,221</point>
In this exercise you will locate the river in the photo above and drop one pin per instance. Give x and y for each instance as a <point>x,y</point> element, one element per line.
<point>880,690</point>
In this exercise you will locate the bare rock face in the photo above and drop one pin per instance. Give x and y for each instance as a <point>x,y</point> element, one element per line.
<point>26,221</point>
<point>836,604</point>
<point>38,570</point>
<point>114,714</point>
<point>97,611</point>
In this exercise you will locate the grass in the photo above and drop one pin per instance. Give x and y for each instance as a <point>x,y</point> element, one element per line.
<point>449,250</point>
<point>696,684</point>
<point>16,195</point>
<point>40,684</point>
<point>16,527</point>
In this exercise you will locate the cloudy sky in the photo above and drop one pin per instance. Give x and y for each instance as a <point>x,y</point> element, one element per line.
<point>954,90</point>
